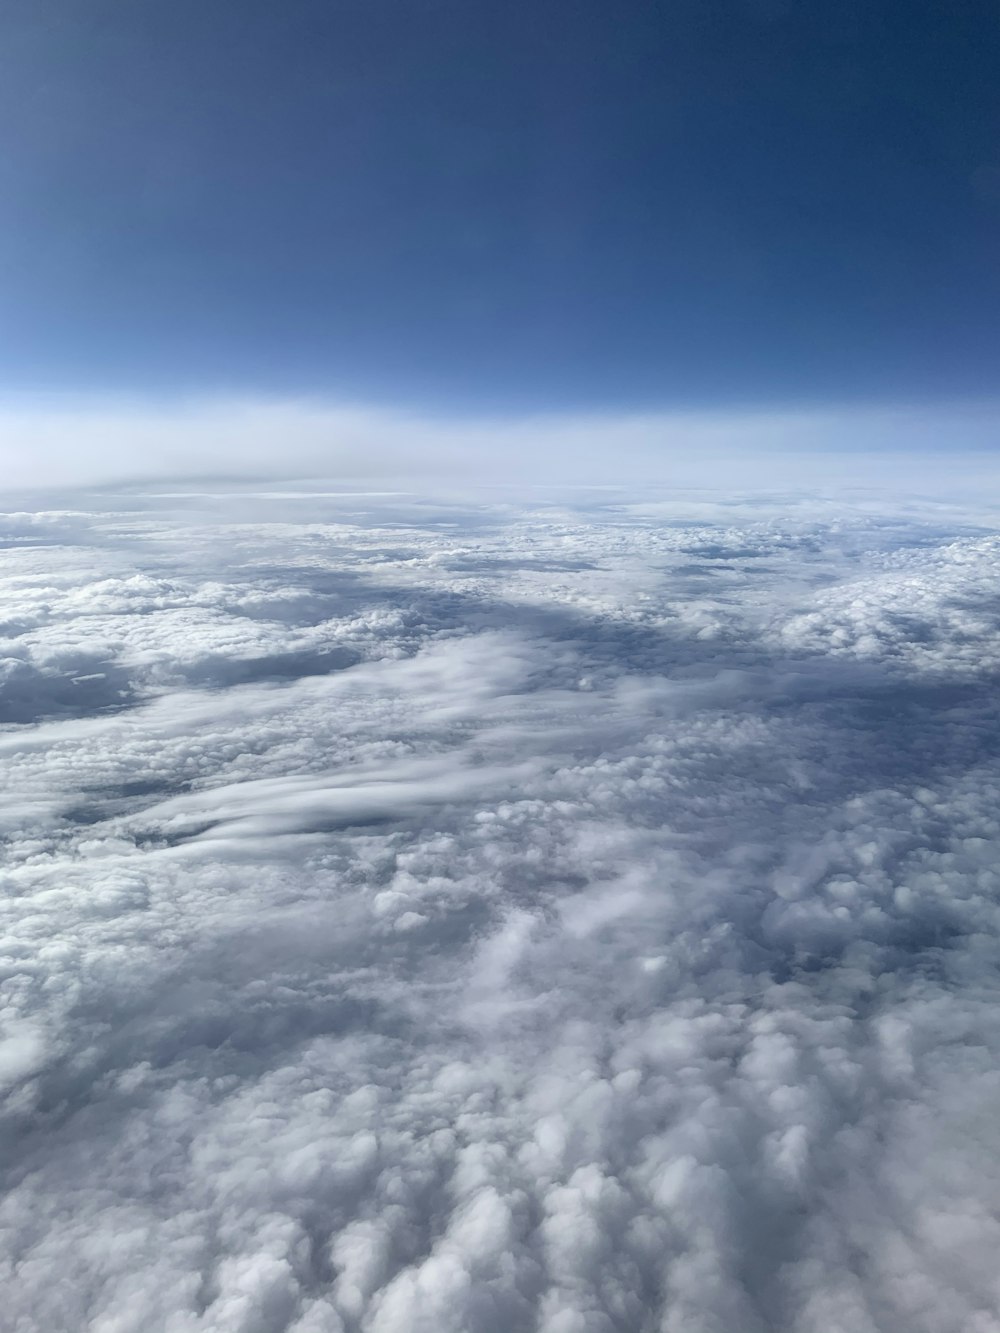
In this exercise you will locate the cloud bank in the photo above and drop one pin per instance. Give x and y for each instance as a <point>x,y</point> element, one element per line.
<point>47,441</point>
<point>480,918</point>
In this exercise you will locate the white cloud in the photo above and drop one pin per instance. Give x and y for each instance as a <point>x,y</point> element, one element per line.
<point>606,940</point>
<point>53,441</point>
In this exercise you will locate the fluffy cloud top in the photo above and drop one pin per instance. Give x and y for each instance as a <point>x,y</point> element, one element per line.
<point>477,918</point>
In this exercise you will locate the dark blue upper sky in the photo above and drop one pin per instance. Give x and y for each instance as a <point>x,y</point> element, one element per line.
<point>503,204</point>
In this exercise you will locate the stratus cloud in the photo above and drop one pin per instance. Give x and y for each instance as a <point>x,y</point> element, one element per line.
<point>608,943</point>
<point>60,442</point>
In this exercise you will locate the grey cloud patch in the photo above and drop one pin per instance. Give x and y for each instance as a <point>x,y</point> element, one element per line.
<point>501,927</point>
<point>78,686</point>
<point>219,671</point>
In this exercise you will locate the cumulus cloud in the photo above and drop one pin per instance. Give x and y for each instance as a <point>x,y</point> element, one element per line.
<point>474,918</point>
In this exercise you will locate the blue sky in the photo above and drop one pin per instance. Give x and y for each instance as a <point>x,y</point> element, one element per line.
<point>503,207</point>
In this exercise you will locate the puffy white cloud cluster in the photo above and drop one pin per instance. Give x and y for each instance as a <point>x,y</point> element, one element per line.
<point>472,919</point>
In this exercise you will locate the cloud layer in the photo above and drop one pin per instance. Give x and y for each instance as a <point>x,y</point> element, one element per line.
<point>474,918</point>
<point>84,441</point>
